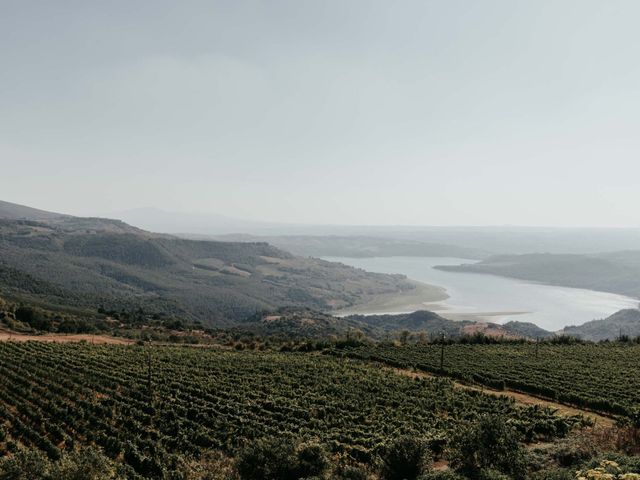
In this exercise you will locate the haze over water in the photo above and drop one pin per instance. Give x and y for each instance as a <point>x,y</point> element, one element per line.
<point>549,307</point>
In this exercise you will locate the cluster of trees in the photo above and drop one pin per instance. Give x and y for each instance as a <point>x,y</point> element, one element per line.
<point>41,320</point>
<point>133,323</point>
<point>139,317</point>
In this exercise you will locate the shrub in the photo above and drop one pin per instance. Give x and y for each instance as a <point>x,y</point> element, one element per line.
<point>312,460</point>
<point>574,451</point>
<point>25,465</point>
<point>491,444</point>
<point>490,474</point>
<point>88,464</point>
<point>346,469</point>
<point>406,458</point>
<point>282,459</point>
<point>350,472</point>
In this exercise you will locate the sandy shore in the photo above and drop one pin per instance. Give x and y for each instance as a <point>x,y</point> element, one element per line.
<point>419,298</point>
<point>423,297</point>
<point>494,317</point>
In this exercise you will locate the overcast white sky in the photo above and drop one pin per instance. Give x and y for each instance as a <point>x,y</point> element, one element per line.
<point>343,112</point>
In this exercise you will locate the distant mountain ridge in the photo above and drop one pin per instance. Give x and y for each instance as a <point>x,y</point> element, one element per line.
<point>484,239</point>
<point>359,246</point>
<point>157,220</point>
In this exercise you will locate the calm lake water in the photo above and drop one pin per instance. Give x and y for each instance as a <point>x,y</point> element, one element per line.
<point>549,307</point>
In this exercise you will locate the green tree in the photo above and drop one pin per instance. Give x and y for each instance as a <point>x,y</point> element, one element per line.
<point>282,459</point>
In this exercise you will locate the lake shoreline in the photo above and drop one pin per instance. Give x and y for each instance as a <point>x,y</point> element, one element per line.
<point>408,301</point>
<point>481,297</point>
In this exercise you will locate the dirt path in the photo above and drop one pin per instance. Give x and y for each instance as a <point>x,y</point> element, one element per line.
<point>521,398</point>
<point>61,338</point>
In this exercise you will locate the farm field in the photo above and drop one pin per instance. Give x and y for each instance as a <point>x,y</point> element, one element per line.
<point>602,377</point>
<point>149,407</point>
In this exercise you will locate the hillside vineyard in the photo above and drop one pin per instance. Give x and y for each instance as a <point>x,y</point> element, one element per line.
<point>150,406</point>
<point>603,377</point>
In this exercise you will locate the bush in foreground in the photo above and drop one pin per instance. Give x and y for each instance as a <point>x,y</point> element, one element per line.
<point>489,448</point>
<point>406,458</point>
<point>282,459</point>
<point>88,464</point>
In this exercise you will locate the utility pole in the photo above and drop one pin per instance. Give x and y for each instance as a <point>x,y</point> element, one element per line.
<point>537,345</point>
<point>442,352</point>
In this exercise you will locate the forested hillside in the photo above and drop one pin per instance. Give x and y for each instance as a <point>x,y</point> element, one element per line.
<point>53,259</point>
<point>616,272</point>
<point>625,323</point>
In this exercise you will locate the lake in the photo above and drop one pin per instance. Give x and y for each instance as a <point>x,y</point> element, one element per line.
<point>498,299</point>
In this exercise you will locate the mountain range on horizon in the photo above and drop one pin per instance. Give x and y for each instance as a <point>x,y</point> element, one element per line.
<point>478,241</point>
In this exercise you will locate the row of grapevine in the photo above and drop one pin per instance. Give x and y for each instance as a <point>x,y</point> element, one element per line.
<point>601,377</point>
<point>147,406</point>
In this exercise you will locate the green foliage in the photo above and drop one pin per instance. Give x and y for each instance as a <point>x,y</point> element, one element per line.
<point>35,318</point>
<point>489,449</point>
<point>574,451</point>
<point>554,474</point>
<point>281,459</point>
<point>29,464</point>
<point>350,472</point>
<point>211,399</point>
<point>406,457</point>
<point>88,464</point>
<point>25,465</point>
<point>553,370</point>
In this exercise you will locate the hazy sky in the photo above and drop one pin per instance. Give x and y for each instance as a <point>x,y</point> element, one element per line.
<point>345,112</point>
